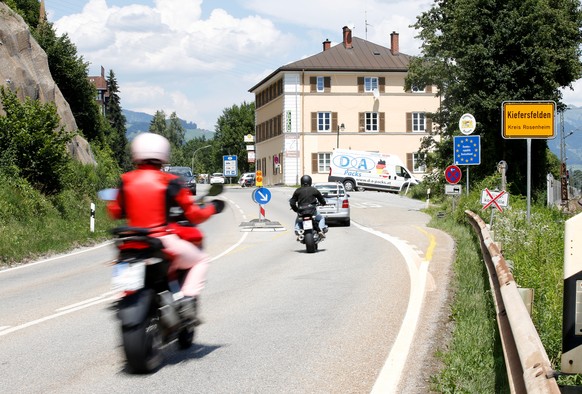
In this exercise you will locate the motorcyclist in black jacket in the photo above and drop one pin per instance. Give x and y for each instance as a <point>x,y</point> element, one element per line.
<point>308,196</point>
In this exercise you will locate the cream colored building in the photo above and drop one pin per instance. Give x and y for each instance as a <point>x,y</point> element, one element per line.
<point>349,96</point>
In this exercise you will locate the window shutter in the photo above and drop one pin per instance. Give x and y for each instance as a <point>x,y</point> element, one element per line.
<point>428,125</point>
<point>313,83</point>
<point>334,121</point>
<point>362,121</point>
<point>314,166</point>
<point>382,123</point>
<point>409,122</point>
<point>314,122</point>
<point>382,84</point>
<point>360,84</point>
<point>327,84</point>
<point>409,162</point>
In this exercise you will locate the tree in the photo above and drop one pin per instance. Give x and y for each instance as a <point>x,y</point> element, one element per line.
<point>480,54</point>
<point>32,144</point>
<point>28,9</point>
<point>234,123</point>
<point>114,114</point>
<point>70,73</point>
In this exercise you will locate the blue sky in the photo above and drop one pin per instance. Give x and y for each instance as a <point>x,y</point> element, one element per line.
<point>197,58</point>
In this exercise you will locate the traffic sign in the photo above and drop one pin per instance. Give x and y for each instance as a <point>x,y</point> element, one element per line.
<point>499,199</point>
<point>261,195</point>
<point>467,150</point>
<point>230,167</point>
<point>528,119</point>
<point>453,174</point>
<point>453,190</point>
<point>467,124</point>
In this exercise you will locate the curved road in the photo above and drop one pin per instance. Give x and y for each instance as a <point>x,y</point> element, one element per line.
<point>364,314</point>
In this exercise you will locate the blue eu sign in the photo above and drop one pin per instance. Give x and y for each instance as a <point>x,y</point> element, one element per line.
<point>467,150</point>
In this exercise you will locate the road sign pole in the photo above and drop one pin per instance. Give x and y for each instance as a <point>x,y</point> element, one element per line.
<point>467,180</point>
<point>528,178</point>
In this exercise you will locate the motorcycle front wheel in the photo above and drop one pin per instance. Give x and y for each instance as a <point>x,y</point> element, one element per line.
<point>142,346</point>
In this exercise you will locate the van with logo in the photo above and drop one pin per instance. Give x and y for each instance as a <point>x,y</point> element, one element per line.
<point>363,170</point>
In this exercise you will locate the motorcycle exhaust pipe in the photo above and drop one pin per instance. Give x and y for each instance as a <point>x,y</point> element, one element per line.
<point>168,315</point>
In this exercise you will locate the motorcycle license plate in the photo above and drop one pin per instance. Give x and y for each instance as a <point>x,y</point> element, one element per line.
<point>307,225</point>
<point>127,277</point>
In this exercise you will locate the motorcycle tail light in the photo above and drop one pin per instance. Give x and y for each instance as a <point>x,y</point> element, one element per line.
<point>127,293</point>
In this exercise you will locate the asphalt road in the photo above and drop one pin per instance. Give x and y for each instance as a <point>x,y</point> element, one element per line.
<point>363,314</point>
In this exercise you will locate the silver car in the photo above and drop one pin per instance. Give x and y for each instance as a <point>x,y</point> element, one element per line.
<point>337,208</point>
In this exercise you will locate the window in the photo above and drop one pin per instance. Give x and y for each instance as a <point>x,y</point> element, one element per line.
<point>324,121</point>
<point>320,84</point>
<point>418,122</point>
<point>418,89</point>
<point>371,121</point>
<point>418,163</point>
<point>370,83</point>
<point>323,160</point>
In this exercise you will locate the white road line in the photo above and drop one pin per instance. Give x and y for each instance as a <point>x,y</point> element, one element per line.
<point>88,301</point>
<point>389,377</point>
<point>55,315</point>
<point>4,328</point>
<point>55,258</point>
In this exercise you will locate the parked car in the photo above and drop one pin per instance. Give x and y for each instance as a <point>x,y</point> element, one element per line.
<point>186,174</point>
<point>247,179</point>
<point>337,207</point>
<point>217,177</point>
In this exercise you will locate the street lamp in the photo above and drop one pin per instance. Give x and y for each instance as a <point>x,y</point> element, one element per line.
<point>342,128</point>
<point>196,151</point>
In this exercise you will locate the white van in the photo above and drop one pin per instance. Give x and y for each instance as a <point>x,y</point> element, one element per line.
<point>361,170</point>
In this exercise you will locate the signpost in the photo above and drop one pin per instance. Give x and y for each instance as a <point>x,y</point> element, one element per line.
<point>453,174</point>
<point>528,119</point>
<point>467,151</point>
<point>230,167</point>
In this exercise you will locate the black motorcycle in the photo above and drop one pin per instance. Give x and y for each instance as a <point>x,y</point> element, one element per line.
<point>309,231</point>
<point>151,310</point>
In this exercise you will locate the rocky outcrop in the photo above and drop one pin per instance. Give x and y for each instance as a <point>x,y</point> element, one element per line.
<point>24,70</point>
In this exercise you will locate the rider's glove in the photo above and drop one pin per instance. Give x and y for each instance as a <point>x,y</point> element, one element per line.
<point>218,205</point>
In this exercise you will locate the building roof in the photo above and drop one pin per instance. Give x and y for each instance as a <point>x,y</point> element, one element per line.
<point>363,56</point>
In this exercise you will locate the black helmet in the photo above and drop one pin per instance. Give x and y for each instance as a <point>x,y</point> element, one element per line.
<point>305,180</point>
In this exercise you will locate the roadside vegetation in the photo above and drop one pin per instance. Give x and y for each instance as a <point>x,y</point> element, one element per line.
<point>473,360</point>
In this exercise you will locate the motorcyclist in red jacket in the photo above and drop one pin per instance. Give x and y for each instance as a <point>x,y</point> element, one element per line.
<point>144,200</point>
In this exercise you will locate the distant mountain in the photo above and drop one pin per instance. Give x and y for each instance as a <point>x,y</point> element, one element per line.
<point>573,142</point>
<point>137,122</point>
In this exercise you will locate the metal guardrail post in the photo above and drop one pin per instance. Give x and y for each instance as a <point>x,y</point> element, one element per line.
<point>528,366</point>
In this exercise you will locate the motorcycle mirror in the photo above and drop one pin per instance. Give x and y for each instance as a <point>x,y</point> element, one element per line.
<point>215,189</point>
<point>107,194</point>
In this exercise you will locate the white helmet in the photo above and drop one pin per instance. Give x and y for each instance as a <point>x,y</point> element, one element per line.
<point>150,146</point>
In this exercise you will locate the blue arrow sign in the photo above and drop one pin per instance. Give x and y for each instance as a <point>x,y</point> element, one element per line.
<point>261,195</point>
<point>467,150</point>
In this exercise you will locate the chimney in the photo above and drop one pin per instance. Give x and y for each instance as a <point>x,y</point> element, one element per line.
<point>326,44</point>
<point>394,45</point>
<point>347,37</point>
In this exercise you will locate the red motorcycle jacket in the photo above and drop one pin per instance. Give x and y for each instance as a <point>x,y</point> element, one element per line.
<point>146,195</point>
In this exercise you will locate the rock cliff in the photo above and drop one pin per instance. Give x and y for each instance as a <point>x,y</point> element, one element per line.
<point>24,69</point>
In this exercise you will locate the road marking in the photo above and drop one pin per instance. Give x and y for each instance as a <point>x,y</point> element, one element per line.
<point>389,377</point>
<point>104,298</point>
<point>88,301</point>
<point>55,258</point>
<point>4,327</point>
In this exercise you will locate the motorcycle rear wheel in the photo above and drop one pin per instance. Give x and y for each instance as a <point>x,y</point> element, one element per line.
<point>142,346</point>
<point>310,244</point>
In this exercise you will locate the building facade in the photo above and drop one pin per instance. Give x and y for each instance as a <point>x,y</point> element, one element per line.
<point>348,96</point>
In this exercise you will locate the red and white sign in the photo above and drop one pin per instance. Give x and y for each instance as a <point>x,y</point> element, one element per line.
<point>499,199</point>
<point>453,174</point>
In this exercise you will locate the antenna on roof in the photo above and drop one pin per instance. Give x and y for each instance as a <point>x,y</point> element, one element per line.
<point>366,23</point>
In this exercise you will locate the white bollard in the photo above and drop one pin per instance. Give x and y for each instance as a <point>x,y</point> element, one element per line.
<point>92,221</point>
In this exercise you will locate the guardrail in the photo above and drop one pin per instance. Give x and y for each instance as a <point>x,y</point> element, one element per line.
<point>527,363</point>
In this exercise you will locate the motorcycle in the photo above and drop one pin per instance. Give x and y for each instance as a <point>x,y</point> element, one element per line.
<point>151,309</point>
<point>309,232</point>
